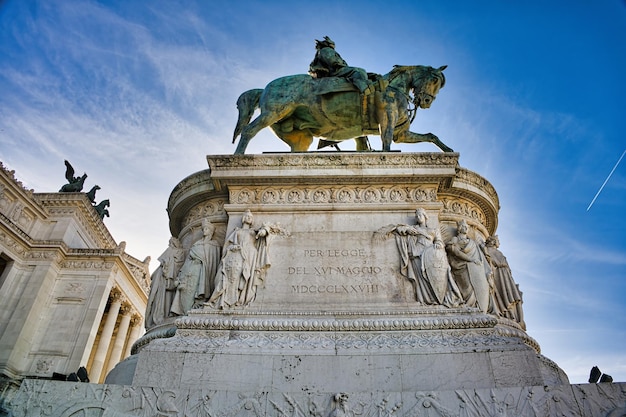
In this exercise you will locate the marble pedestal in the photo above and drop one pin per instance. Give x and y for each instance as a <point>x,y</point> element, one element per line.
<point>334,312</point>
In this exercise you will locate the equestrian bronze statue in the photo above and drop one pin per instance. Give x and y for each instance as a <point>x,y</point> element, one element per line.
<point>300,107</point>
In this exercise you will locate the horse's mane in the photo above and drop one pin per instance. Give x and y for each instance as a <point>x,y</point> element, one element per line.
<point>399,69</point>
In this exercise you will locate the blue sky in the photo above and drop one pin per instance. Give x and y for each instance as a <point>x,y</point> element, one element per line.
<point>137,93</point>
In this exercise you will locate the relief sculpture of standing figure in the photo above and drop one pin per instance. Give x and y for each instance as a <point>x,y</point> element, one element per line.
<point>197,274</point>
<point>243,266</point>
<point>471,270</point>
<point>163,286</point>
<point>423,261</point>
<point>507,294</point>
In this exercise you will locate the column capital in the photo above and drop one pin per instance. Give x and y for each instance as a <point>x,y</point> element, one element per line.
<point>136,319</point>
<point>126,308</point>
<point>116,295</point>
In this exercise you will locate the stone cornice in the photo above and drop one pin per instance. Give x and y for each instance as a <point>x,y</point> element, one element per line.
<point>356,168</point>
<point>192,190</point>
<point>337,181</point>
<point>77,204</point>
<point>332,160</point>
<point>10,176</point>
<point>17,202</point>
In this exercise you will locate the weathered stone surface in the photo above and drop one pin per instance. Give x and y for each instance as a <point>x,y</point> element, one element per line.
<point>333,310</point>
<point>66,399</point>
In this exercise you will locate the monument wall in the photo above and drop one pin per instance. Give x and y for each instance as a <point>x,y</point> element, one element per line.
<point>334,308</point>
<point>62,276</point>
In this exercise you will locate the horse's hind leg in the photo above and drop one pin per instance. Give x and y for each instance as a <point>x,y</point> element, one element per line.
<point>250,131</point>
<point>265,119</point>
<point>410,137</point>
<point>298,140</point>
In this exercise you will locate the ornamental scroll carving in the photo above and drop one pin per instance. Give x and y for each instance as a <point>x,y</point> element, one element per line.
<point>463,208</point>
<point>206,209</point>
<point>12,244</point>
<point>333,195</point>
<point>88,265</point>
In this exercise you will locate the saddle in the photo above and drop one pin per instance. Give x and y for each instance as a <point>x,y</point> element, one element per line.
<point>369,102</point>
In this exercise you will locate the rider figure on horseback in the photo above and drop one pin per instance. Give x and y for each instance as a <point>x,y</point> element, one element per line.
<point>328,63</point>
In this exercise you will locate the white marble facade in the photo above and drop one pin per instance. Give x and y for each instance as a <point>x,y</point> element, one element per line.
<point>70,296</point>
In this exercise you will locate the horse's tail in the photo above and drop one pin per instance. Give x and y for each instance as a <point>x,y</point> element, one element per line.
<point>247,103</point>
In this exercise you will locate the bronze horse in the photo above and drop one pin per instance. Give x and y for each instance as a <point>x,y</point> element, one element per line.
<point>300,107</point>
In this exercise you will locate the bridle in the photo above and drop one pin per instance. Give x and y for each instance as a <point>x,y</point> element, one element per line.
<point>415,101</point>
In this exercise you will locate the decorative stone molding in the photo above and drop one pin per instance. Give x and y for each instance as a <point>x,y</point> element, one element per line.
<point>425,341</point>
<point>214,207</point>
<point>44,366</point>
<point>374,194</point>
<point>12,244</point>
<point>328,323</point>
<point>78,206</point>
<point>139,271</point>
<point>462,208</point>
<point>75,288</point>
<point>193,181</point>
<point>87,264</point>
<point>11,176</point>
<point>346,160</point>
<point>162,332</point>
<point>46,255</point>
<point>471,178</point>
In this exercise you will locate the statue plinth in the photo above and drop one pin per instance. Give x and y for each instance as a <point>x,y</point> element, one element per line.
<point>333,311</point>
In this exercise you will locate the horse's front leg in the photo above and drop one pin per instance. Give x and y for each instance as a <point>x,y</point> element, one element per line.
<point>387,119</point>
<point>410,137</point>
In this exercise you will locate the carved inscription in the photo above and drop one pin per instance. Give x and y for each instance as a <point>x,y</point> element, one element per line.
<point>335,289</point>
<point>348,269</point>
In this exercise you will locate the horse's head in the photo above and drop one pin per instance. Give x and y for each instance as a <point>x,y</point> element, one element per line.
<point>427,84</point>
<point>424,82</point>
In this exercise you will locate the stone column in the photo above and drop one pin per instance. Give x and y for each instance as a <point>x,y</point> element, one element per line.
<point>120,338</point>
<point>105,336</point>
<point>135,331</point>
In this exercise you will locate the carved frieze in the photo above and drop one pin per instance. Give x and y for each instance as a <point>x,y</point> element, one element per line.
<point>12,244</point>
<point>471,178</point>
<point>40,397</point>
<point>456,207</point>
<point>379,321</point>
<point>87,264</point>
<point>433,341</point>
<point>344,160</point>
<point>373,194</point>
<point>206,209</point>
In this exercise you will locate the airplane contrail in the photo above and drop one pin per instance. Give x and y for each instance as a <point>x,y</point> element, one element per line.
<point>606,180</point>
